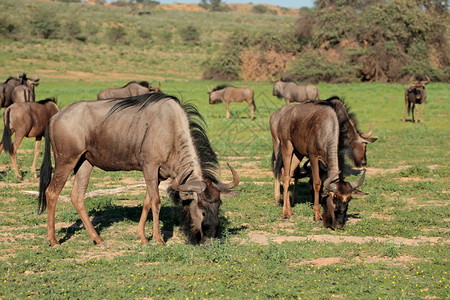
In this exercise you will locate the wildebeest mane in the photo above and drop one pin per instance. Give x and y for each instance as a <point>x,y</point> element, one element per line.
<point>141,101</point>
<point>220,87</point>
<point>47,100</point>
<point>207,156</point>
<point>141,83</point>
<point>346,119</point>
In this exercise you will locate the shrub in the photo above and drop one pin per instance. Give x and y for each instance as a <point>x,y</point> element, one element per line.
<point>45,24</point>
<point>263,66</point>
<point>190,34</point>
<point>314,66</point>
<point>9,28</point>
<point>117,34</point>
<point>73,30</point>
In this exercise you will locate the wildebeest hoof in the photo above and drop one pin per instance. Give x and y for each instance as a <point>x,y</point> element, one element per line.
<point>103,244</point>
<point>148,244</point>
<point>56,246</point>
<point>286,219</point>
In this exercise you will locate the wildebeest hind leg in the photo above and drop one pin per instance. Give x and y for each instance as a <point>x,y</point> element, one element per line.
<point>16,144</point>
<point>52,192</point>
<point>80,185</point>
<point>37,149</point>
<point>287,153</point>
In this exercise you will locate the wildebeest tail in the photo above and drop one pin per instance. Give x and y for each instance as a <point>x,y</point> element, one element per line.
<point>6,139</point>
<point>46,172</point>
<point>277,162</point>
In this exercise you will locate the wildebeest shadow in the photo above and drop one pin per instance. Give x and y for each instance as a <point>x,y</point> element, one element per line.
<point>169,216</point>
<point>303,193</point>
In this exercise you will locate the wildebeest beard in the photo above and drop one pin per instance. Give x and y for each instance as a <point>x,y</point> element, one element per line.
<point>209,224</point>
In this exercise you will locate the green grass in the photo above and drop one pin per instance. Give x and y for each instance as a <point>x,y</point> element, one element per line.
<point>407,200</point>
<point>395,244</point>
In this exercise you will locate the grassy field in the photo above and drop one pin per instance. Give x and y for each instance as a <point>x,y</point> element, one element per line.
<point>395,245</point>
<point>396,241</point>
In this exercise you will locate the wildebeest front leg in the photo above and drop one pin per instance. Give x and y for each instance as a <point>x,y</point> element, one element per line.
<point>228,109</point>
<point>316,185</point>
<point>37,149</point>
<point>406,110</point>
<point>421,111</point>
<point>287,153</point>
<point>153,201</point>
<point>77,196</point>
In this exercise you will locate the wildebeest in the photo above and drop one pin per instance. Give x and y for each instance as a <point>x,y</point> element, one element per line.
<point>293,92</point>
<point>227,94</point>
<point>153,133</point>
<point>26,120</point>
<point>7,88</point>
<point>319,131</point>
<point>25,91</point>
<point>334,197</point>
<point>131,89</point>
<point>355,147</point>
<point>415,94</point>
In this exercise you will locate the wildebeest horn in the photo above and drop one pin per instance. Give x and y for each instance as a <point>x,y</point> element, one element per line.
<point>327,185</point>
<point>426,81</point>
<point>358,183</point>
<point>226,186</point>
<point>193,186</point>
<point>368,134</point>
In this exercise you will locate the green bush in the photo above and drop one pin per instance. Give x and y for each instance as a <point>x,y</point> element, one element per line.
<point>45,24</point>
<point>313,66</point>
<point>117,34</point>
<point>190,34</point>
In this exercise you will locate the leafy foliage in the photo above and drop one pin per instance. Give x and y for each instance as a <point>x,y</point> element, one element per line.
<point>385,41</point>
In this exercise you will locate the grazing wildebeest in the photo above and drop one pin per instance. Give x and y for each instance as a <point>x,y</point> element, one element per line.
<point>227,94</point>
<point>356,147</point>
<point>153,133</point>
<point>25,91</point>
<point>316,130</point>
<point>26,120</point>
<point>293,92</point>
<point>131,89</point>
<point>335,199</point>
<point>415,94</point>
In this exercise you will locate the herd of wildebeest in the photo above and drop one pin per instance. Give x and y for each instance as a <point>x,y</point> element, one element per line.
<point>138,127</point>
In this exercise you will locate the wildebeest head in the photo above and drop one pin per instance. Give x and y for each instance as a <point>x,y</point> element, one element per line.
<point>335,199</point>
<point>278,89</point>
<point>200,207</point>
<point>215,95</point>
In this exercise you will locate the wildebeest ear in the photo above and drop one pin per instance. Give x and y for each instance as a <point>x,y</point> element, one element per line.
<point>370,140</point>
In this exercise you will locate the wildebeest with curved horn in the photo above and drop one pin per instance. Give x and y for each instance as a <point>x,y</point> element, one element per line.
<point>334,197</point>
<point>292,92</point>
<point>25,91</point>
<point>132,88</point>
<point>153,133</point>
<point>227,94</point>
<point>26,120</point>
<point>415,94</point>
<point>356,147</point>
<point>316,130</point>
